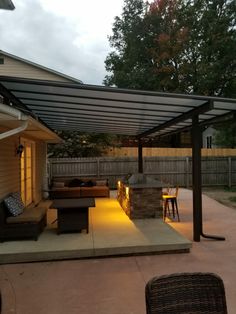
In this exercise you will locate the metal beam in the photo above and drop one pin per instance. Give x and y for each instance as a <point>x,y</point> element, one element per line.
<point>187,115</point>
<point>10,97</point>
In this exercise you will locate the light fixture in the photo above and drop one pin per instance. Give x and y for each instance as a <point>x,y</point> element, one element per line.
<point>19,150</point>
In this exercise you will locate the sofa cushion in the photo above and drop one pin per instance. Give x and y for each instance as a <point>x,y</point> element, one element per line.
<point>58,184</point>
<point>13,205</point>
<point>65,192</point>
<point>101,182</point>
<point>75,183</point>
<point>29,215</point>
<point>95,191</point>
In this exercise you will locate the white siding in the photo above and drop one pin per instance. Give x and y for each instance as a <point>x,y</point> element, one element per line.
<point>12,67</point>
<point>209,132</point>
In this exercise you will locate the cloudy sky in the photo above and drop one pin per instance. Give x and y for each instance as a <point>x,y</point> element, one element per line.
<point>69,36</point>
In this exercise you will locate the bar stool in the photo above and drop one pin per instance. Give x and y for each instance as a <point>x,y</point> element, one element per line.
<point>171,198</point>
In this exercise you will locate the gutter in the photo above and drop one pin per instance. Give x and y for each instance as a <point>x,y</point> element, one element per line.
<point>18,116</point>
<point>25,121</point>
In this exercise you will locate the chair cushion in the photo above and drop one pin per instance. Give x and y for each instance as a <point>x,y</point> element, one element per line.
<point>13,205</point>
<point>29,215</point>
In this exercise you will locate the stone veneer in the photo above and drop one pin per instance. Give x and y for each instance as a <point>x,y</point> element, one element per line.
<point>140,202</point>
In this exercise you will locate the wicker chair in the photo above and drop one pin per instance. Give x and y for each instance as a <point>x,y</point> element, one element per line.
<point>186,293</point>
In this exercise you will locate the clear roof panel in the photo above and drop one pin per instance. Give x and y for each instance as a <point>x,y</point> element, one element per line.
<point>86,108</point>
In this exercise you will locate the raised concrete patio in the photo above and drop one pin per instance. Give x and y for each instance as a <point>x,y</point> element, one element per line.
<point>111,233</point>
<point>116,285</point>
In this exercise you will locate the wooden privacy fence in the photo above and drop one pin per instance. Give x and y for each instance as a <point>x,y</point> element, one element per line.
<point>173,170</point>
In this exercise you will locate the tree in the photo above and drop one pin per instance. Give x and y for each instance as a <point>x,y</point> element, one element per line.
<point>175,45</point>
<point>128,62</point>
<point>78,144</point>
<point>225,135</point>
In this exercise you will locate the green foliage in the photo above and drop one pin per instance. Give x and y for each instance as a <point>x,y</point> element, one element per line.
<point>174,45</point>
<point>78,144</point>
<point>226,135</point>
<point>232,189</point>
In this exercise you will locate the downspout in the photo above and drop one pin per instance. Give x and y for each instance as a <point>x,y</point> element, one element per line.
<point>14,131</point>
<point>16,114</point>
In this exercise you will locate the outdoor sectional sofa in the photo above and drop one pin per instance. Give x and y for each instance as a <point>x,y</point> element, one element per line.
<point>26,225</point>
<point>79,187</point>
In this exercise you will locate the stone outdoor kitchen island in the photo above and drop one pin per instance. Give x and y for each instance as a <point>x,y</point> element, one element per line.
<point>140,196</point>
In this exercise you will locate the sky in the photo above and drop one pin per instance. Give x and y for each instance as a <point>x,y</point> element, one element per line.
<point>69,36</point>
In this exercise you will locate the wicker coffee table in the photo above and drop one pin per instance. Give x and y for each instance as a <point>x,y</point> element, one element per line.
<point>73,214</point>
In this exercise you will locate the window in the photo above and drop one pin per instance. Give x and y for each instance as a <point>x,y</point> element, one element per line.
<point>1,60</point>
<point>27,173</point>
<point>209,141</point>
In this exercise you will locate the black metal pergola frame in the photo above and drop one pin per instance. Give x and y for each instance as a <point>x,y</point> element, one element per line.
<point>99,109</point>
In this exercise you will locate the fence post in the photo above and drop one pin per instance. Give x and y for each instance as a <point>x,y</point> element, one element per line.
<point>98,167</point>
<point>187,172</point>
<point>143,165</point>
<point>230,171</point>
<point>49,170</point>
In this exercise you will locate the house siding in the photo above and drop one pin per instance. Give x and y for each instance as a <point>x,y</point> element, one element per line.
<point>10,167</point>
<point>16,68</point>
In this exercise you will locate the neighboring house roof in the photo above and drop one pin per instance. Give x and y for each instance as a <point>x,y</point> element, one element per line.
<point>7,5</point>
<point>38,66</point>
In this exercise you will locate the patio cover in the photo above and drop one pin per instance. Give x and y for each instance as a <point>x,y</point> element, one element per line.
<point>87,108</point>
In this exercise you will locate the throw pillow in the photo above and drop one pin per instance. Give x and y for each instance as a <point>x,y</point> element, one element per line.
<point>12,206</point>
<point>18,198</point>
<point>75,183</point>
<point>90,183</point>
<point>87,184</point>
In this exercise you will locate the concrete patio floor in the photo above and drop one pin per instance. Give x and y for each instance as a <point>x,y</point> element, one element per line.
<point>111,233</point>
<point>116,285</point>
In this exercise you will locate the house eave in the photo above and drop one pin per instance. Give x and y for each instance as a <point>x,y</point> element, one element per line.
<point>13,119</point>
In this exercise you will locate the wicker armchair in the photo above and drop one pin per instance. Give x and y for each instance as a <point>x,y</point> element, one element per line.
<point>186,293</point>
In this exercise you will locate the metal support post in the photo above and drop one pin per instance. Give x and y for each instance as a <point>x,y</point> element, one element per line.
<point>197,184</point>
<point>140,156</point>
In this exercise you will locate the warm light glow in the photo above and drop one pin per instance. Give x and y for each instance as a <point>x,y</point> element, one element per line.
<point>118,183</point>
<point>127,192</point>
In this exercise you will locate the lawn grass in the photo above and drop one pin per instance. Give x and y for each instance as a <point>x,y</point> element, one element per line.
<point>232,189</point>
<point>232,199</point>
